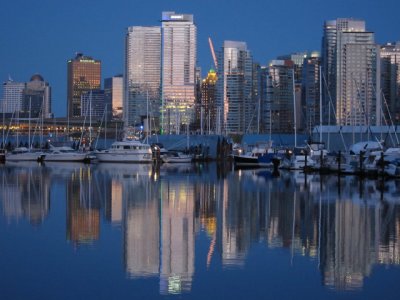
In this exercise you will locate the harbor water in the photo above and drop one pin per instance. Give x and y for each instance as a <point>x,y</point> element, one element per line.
<point>195,231</point>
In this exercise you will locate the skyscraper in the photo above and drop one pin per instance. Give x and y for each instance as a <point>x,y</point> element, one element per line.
<point>179,54</point>
<point>311,91</point>
<point>279,103</point>
<point>113,93</point>
<point>84,74</point>
<point>12,96</point>
<point>37,98</point>
<point>208,100</point>
<point>351,69</point>
<point>142,75</point>
<point>390,81</point>
<point>234,89</point>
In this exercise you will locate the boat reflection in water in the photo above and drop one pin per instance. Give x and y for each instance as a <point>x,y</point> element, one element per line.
<point>345,226</point>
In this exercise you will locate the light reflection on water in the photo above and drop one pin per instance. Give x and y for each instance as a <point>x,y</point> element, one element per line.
<point>344,226</point>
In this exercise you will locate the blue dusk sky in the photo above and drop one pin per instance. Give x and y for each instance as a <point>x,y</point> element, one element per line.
<point>40,36</point>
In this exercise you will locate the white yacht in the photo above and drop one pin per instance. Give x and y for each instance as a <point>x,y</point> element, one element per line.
<point>66,154</point>
<point>24,154</point>
<point>126,151</point>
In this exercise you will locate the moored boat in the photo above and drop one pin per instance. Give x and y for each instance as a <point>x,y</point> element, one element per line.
<point>24,154</point>
<point>126,151</point>
<point>176,157</point>
<point>65,154</point>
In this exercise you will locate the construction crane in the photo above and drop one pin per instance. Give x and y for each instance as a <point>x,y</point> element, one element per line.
<point>213,53</point>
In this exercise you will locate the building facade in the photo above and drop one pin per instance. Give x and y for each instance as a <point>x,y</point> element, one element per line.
<point>350,68</point>
<point>279,108</point>
<point>235,105</point>
<point>208,101</point>
<point>36,98</point>
<point>113,94</point>
<point>12,96</point>
<point>179,55</point>
<point>84,74</point>
<point>390,82</point>
<point>93,105</point>
<point>310,99</point>
<point>142,78</point>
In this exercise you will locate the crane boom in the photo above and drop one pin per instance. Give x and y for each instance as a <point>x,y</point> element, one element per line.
<point>213,53</point>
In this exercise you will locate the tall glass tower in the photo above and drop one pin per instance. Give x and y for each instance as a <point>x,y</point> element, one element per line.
<point>235,108</point>
<point>390,81</point>
<point>351,72</point>
<point>142,75</point>
<point>179,54</point>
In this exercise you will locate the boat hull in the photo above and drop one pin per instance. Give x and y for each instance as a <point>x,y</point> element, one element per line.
<point>75,157</point>
<point>124,157</point>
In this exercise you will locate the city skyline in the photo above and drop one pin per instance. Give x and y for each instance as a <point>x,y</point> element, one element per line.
<point>49,42</point>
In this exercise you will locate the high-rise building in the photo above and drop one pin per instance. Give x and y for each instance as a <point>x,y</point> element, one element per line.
<point>351,72</point>
<point>36,98</point>
<point>93,104</point>
<point>12,96</point>
<point>311,91</point>
<point>142,75</point>
<point>390,81</point>
<point>208,100</point>
<point>235,107</point>
<point>84,74</point>
<point>279,108</point>
<point>113,94</point>
<point>179,54</point>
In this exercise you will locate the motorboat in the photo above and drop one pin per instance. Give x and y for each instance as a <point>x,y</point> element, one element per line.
<point>24,154</point>
<point>261,155</point>
<point>65,154</point>
<point>127,150</point>
<point>177,157</point>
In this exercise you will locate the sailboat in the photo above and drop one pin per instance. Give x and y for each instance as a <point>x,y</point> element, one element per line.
<point>24,153</point>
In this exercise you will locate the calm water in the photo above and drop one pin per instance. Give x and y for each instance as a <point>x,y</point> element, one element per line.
<point>115,231</point>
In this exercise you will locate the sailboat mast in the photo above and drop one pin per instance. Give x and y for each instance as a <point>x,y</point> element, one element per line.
<point>294,110</point>
<point>29,122</point>
<point>320,104</point>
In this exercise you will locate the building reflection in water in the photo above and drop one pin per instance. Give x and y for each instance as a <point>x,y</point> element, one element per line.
<point>345,225</point>
<point>25,193</point>
<point>83,207</point>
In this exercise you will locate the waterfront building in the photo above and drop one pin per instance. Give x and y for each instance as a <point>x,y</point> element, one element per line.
<point>310,99</point>
<point>351,70</point>
<point>279,108</point>
<point>36,100</point>
<point>12,96</point>
<point>93,104</point>
<point>235,103</point>
<point>142,77</point>
<point>84,74</point>
<point>208,100</point>
<point>113,94</point>
<point>390,81</point>
<point>179,54</point>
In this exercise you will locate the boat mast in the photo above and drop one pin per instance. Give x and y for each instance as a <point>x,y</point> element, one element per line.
<point>294,110</point>
<point>320,104</point>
